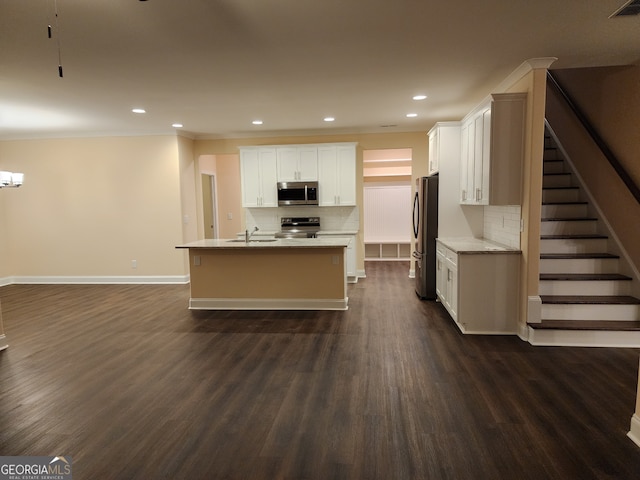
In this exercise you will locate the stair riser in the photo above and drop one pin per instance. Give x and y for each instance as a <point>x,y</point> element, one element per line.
<point>586,227</point>
<point>591,287</point>
<point>562,195</point>
<point>549,181</point>
<point>591,265</point>
<point>564,211</point>
<point>591,245</point>
<point>585,338</point>
<point>553,167</point>
<point>589,312</point>
<point>552,154</point>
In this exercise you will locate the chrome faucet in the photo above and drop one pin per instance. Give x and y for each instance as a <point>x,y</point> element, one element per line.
<point>247,235</point>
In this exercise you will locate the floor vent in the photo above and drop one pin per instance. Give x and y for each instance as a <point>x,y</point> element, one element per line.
<point>632,7</point>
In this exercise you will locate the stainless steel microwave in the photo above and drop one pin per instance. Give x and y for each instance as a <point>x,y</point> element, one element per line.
<point>297,193</point>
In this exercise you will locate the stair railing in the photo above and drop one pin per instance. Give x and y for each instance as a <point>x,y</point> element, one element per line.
<point>602,145</point>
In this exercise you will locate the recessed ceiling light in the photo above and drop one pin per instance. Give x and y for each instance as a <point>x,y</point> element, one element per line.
<point>329,119</point>
<point>411,115</point>
<point>177,125</point>
<point>419,97</point>
<point>257,122</point>
<point>138,110</point>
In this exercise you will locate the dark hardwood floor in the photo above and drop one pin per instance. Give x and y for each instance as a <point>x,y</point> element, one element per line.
<point>132,385</point>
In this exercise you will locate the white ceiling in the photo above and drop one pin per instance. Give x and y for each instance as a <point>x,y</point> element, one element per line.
<point>216,65</point>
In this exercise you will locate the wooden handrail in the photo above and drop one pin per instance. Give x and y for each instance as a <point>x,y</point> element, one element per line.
<point>604,148</point>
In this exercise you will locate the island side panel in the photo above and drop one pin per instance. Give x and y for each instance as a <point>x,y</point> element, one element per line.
<point>268,273</point>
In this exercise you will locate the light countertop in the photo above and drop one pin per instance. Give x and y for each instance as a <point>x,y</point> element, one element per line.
<point>472,245</point>
<point>324,242</point>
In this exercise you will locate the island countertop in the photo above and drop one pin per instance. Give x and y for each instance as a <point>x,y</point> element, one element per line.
<point>278,243</point>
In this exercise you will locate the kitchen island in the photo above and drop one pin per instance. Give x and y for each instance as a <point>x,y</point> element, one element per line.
<point>268,274</point>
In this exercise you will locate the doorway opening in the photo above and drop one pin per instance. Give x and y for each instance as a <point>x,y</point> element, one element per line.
<point>209,206</point>
<point>387,204</point>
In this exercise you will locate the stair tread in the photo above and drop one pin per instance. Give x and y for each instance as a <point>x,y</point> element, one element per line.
<point>583,276</point>
<point>590,299</point>
<point>560,188</point>
<point>569,219</point>
<point>565,203</point>
<point>555,174</point>
<point>569,236</point>
<point>630,325</point>
<point>576,256</point>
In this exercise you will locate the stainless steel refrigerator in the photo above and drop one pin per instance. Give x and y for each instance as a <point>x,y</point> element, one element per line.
<point>425,231</point>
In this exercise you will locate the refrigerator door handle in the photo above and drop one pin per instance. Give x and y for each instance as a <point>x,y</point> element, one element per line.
<point>416,215</point>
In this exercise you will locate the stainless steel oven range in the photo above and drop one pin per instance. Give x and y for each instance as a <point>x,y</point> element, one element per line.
<point>298,227</point>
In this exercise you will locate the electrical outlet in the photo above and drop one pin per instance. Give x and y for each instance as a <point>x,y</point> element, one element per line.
<point>229,216</point>
<point>134,264</point>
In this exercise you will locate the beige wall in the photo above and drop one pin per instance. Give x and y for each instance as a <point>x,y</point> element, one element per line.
<point>417,141</point>
<point>610,98</point>
<point>89,206</point>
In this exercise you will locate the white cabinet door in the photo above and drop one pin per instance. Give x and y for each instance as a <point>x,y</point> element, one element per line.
<point>337,175</point>
<point>268,177</point>
<point>346,175</point>
<point>441,276</point>
<point>287,164</point>
<point>327,175</point>
<point>259,180</point>
<point>434,153</point>
<point>308,163</point>
<point>452,290</point>
<point>297,163</point>
<point>250,174</point>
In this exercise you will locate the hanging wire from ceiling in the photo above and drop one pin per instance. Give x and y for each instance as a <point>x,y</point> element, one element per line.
<point>57,32</point>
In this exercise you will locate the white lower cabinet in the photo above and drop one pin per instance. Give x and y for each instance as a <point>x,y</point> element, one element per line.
<point>350,256</point>
<point>479,289</point>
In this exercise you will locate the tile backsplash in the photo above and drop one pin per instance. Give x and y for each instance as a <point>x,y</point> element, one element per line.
<point>502,224</point>
<point>331,218</point>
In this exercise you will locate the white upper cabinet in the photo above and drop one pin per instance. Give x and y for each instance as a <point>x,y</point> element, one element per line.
<point>259,180</point>
<point>492,152</point>
<point>297,163</point>
<point>337,174</point>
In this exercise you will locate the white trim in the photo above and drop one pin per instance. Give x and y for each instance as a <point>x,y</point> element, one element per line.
<point>634,433</point>
<point>268,304</point>
<point>160,279</point>
<point>524,68</point>
<point>3,342</point>
<point>361,274</point>
<point>534,309</point>
<point>523,332</point>
<point>5,281</point>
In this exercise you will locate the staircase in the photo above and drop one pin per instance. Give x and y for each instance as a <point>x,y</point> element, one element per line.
<point>586,301</point>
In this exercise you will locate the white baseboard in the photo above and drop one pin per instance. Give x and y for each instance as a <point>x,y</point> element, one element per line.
<point>5,281</point>
<point>141,279</point>
<point>3,342</point>
<point>268,304</point>
<point>634,433</point>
